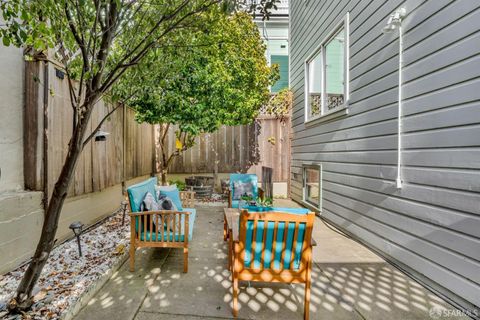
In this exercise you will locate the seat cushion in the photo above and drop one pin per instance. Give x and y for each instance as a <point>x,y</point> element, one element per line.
<point>241,189</point>
<point>164,188</point>
<point>279,242</point>
<point>173,195</point>
<point>245,178</point>
<point>136,195</point>
<point>137,192</point>
<point>167,234</point>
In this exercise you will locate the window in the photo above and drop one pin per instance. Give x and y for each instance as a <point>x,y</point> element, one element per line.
<point>312,185</point>
<point>326,75</point>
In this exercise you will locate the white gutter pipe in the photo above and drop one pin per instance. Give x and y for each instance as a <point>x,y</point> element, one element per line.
<point>394,22</point>
<point>399,121</point>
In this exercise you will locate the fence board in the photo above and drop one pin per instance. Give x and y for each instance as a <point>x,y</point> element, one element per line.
<point>101,163</point>
<point>239,149</point>
<point>231,149</point>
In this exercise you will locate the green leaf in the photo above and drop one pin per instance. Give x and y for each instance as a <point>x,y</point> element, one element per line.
<point>6,41</point>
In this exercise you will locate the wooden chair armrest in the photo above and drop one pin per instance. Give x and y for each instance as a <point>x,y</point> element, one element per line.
<point>229,195</point>
<point>188,199</point>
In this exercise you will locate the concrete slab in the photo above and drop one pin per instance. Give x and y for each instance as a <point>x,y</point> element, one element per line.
<point>380,291</point>
<point>348,282</point>
<point>206,291</point>
<point>121,297</point>
<point>158,316</point>
<point>118,300</point>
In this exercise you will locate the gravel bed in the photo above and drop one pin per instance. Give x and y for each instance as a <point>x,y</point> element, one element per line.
<point>66,276</point>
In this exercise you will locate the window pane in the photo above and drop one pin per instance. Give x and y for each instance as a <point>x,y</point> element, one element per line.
<point>335,72</point>
<point>312,186</point>
<point>315,85</point>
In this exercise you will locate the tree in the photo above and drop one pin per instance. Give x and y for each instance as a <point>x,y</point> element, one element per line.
<point>96,42</point>
<point>198,81</point>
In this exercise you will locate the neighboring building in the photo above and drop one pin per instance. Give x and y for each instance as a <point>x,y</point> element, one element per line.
<point>344,72</point>
<point>274,31</point>
<point>21,211</point>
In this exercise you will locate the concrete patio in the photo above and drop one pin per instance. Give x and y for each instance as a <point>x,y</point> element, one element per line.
<point>349,282</point>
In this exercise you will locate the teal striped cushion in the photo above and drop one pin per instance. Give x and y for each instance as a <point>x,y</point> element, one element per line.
<point>179,236</point>
<point>277,263</point>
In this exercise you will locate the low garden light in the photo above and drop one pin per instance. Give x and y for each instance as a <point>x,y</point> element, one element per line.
<point>124,207</point>
<point>77,227</point>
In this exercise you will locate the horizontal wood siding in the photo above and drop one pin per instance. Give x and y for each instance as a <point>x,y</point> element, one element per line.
<point>432,225</point>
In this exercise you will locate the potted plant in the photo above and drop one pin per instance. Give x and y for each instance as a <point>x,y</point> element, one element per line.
<point>246,200</point>
<point>265,204</point>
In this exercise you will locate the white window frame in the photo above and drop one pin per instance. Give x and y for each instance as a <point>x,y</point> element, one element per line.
<point>316,166</point>
<point>342,110</point>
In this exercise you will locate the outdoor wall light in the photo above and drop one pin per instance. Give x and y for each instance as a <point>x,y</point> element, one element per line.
<point>394,20</point>
<point>77,227</point>
<point>395,23</point>
<point>101,136</point>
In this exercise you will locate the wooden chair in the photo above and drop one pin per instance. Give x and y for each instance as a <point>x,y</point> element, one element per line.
<point>281,252</point>
<point>160,229</point>
<point>243,177</point>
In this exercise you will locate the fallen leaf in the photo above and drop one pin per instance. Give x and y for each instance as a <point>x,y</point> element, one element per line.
<point>119,250</point>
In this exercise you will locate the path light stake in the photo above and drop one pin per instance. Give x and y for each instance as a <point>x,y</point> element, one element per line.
<point>76,227</point>
<point>124,211</point>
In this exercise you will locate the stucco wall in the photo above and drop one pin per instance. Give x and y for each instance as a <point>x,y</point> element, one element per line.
<point>21,218</point>
<point>11,119</point>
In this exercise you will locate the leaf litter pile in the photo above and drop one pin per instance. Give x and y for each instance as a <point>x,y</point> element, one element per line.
<point>215,199</point>
<point>66,276</point>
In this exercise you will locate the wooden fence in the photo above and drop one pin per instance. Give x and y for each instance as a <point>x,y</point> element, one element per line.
<point>130,148</point>
<point>127,152</point>
<point>245,148</point>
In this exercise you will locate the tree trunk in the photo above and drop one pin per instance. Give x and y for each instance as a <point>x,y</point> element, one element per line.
<point>164,151</point>
<point>24,299</point>
<point>164,176</point>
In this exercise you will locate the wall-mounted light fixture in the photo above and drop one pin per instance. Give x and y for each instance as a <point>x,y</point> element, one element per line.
<point>395,20</point>
<point>77,227</point>
<point>395,23</point>
<point>101,136</point>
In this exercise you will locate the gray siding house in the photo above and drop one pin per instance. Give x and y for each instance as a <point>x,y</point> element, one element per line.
<point>401,175</point>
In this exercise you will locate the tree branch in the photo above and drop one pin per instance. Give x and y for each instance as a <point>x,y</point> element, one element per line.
<point>111,20</point>
<point>77,37</point>
<point>118,71</point>
<point>166,132</point>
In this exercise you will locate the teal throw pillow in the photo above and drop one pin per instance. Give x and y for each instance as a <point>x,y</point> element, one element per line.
<point>174,196</point>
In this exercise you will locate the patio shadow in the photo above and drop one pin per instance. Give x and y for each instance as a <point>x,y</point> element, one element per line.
<point>348,282</point>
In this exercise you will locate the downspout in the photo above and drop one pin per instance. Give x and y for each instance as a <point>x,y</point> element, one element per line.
<point>399,121</point>
<point>394,22</point>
